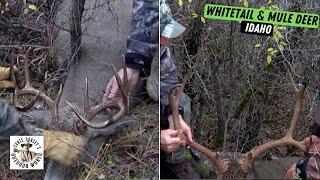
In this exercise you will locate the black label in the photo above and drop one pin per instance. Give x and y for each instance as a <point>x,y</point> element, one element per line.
<point>256,28</point>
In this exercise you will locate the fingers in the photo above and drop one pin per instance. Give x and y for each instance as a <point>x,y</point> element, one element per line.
<point>108,89</point>
<point>291,173</point>
<point>173,133</point>
<point>186,129</point>
<point>313,143</point>
<point>114,89</point>
<point>171,148</point>
<point>314,138</point>
<point>311,139</point>
<point>169,140</point>
<point>189,134</point>
<point>183,143</point>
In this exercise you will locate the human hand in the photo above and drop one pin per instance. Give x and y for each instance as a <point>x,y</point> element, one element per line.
<point>313,142</point>
<point>186,130</point>
<point>112,90</point>
<point>291,172</point>
<point>169,140</point>
<point>58,146</point>
<point>5,73</point>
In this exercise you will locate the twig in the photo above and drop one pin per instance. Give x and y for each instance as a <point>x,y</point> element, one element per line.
<point>92,157</point>
<point>7,24</point>
<point>24,46</point>
<point>139,160</point>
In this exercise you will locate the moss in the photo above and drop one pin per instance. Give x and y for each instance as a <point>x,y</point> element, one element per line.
<point>187,155</point>
<point>202,169</point>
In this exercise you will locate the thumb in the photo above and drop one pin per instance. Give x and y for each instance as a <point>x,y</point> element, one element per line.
<point>189,135</point>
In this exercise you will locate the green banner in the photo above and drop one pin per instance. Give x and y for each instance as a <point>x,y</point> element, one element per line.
<point>276,17</point>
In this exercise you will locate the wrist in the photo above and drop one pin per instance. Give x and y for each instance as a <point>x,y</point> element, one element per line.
<point>140,62</point>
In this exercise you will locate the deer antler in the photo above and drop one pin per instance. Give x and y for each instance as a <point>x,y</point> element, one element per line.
<point>121,105</point>
<point>299,90</point>
<point>28,89</point>
<point>174,100</point>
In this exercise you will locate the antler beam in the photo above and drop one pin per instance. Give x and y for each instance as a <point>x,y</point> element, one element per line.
<point>174,100</point>
<point>251,156</point>
<point>299,91</point>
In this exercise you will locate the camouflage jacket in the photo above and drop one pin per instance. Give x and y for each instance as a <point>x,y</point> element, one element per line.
<point>10,122</point>
<point>168,78</point>
<point>142,42</point>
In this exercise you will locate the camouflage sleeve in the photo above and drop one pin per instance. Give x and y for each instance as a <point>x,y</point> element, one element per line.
<point>143,39</point>
<point>10,122</point>
<point>168,78</point>
<point>168,74</point>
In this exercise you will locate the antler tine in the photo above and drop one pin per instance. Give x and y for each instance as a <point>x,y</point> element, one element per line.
<point>175,99</point>
<point>56,104</point>
<point>81,127</point>
<point>123,85</point>
<point>13,78</point>
<point>181,89</point>
<point>86,99</point>
<point>291,79</point>
<point>288,138</point>
<point>93,111</point>
<point>28,89</point>
<point>98,108</point>
<point>125,77</point>
<point>174,104</point>
<point>26,70</point>
<point>87,122</point>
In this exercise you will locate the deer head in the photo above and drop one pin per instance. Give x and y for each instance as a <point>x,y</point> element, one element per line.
<point>68,117</point>
<point>221,161</point>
